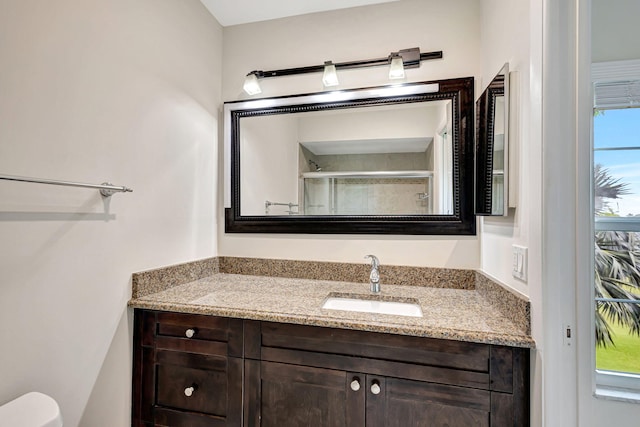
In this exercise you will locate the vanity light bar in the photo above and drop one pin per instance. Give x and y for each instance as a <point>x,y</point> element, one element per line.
<point>411,58</point>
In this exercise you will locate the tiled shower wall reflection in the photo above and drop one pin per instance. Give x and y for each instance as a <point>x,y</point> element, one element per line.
<point>371,195</point>
<point>367,196</point>
<point>376,162</point>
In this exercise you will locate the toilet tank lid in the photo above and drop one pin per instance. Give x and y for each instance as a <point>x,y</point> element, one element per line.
<point>33,409</point>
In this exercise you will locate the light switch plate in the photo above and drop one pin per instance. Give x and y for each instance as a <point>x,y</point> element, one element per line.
<point>519,262</point>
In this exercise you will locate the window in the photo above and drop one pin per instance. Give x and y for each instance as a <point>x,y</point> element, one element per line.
<point>616,185</point>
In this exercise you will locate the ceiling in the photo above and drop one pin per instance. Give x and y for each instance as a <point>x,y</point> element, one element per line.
<point>236,12</point>
<point>369,146</point>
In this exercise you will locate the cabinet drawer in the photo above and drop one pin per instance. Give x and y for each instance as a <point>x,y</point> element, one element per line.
<point>209,328</point>
<point>208,389</point>
<point>194,382</point>
<point>198,334</point>
<point>406,349</point>
<point>434,374</point>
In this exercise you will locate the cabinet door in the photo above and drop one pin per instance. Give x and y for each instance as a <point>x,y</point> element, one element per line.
<point>401,403</point>
<point>291,395</point>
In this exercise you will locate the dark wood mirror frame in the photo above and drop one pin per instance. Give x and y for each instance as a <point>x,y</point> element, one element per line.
<point>459,91</point>
<point>490,200</point>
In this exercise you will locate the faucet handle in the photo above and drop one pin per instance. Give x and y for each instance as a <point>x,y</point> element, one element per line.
<point>374,275</point>
<point>375,262</point>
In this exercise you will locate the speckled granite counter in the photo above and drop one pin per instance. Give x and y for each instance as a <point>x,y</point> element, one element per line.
<point>458,314</point>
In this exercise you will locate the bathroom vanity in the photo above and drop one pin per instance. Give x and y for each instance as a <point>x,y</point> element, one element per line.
<point>249,350</point>
<point>203,370</point>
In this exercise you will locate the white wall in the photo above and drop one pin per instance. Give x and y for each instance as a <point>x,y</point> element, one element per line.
<point>414,121</point>
<point>93,91</point>
<point>614,30</point>
<point>567,257</point>
<point>612,37</point>
<point>505,38</point>
<point>511,32</point>
<point>353,34</point>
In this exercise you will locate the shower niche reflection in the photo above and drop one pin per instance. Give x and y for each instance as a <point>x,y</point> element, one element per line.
<point>362,181</point>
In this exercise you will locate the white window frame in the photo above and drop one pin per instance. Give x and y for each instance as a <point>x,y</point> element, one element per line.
<point>611,384</point>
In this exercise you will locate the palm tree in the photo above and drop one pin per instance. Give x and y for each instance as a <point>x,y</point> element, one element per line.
<point>617,265</point>
<point>606,187</point>
<point>617,275</point>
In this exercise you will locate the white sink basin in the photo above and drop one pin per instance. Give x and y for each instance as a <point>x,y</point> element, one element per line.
<point>397,308</point>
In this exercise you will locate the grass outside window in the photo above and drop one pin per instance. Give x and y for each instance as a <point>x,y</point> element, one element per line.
<point>623,356</point>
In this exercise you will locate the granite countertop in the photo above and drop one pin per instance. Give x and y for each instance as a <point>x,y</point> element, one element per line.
<point>457,314</point>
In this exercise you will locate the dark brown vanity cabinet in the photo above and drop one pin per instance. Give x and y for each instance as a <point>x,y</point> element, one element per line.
<point>293,395</point>
<point>311,376</point>
<point>291,375</point>
<point>187,370</point>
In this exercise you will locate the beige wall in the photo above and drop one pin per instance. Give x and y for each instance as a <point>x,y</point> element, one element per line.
<point>118,90</point>
<point>352,34</point>
<point>270,151</point>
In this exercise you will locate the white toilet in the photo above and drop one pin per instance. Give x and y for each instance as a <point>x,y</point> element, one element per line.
<point>31,410</point>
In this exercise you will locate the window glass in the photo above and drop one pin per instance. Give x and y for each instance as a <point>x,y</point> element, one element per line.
<point>617,242</point>
<point>617,162</point>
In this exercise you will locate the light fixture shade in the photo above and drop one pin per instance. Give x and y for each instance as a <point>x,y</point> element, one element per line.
<point>330,76</point>
<point>251,84</point>
<point>396,69</point>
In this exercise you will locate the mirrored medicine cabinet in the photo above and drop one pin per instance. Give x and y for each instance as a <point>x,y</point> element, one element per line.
<point>492,147</point>
<point>386,160</point>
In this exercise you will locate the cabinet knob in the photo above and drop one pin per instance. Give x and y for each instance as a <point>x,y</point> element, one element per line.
<point>355,384</point>
<point>189,391</point>
<point>189,333</point>
<point>375,387</point>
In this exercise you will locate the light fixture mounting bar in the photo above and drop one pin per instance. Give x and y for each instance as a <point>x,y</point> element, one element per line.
<point>411,58</point>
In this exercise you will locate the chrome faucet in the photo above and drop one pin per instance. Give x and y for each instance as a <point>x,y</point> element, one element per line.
<point>374,276</point>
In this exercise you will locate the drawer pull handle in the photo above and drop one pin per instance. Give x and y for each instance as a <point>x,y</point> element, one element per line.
<point>355,384</point>
<point>189,391</point>
<point>189,333</point>
<point>375,387</point>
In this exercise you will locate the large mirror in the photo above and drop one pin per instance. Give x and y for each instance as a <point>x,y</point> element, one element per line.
<point>492,147</point>
<point>391,160</point>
